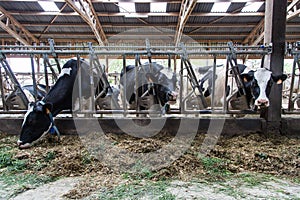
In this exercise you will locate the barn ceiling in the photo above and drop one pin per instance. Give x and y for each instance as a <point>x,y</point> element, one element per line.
<point>113,22</point>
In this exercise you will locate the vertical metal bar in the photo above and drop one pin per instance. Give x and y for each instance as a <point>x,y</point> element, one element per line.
<point>46,72</point>
<point>181,104</point>
<point>79,82</point>
<point>291,102</point>
<point>13,78</point>
<point>136,85</point>
<point>106,64</point>
<point>213,83</point>
<point>92,84</point>
<point>169,61</point>
<point>124,85</point>
<point>2,91</point>
<point>33,78</point>
<point>225,104</point>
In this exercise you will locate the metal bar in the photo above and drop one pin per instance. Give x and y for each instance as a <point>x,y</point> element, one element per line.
<point>124,86</point>
<point>137,85</point>
<point>181,107</point>
<point>213,84</point>
<point>33,78</point>
<point>225,105</point>
<point>79,82</point>
<point>46,72</point>
<point>291,102</point>
<point>2,91</point>
<point>13,78</point>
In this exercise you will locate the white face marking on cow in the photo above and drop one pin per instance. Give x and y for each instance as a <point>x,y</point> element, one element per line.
<point>262,77</point>
<point>65,71</point>
<point>30,109</point>
<point>167,72</point>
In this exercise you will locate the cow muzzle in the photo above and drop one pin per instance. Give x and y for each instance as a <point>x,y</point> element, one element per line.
<point>23,146</point>
<point>262,102</point>
<point>173,96</point>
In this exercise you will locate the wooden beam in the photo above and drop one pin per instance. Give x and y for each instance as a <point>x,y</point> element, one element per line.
<point>290,16</point>
<point>255,35</point>
<point>187,6</point>
<point>291,6</point>
<point>15,29</point>
<point>87,13</point>
<point>52,20</point>
<point>129,25</point>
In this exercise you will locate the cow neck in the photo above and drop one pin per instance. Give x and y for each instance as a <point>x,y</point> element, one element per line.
<point>60,96</point>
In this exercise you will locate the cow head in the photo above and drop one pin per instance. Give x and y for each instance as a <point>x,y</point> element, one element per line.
<point>36,123</point>
<point>258,85</point>
<point>166,85</point>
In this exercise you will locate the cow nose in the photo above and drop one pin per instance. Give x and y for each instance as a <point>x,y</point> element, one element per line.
<point>173,95</point>
<point>263,102</point>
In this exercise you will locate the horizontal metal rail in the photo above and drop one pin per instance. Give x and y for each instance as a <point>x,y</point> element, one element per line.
<point>173,111</point>
<point>133,50</point>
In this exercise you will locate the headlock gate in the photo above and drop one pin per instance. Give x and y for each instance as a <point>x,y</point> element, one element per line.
<point>187,71</point>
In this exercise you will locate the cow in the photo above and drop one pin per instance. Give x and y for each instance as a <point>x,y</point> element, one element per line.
<point>256,82</point>
<point>38,119</point>
<point>157,85</point>
<point>14,101</point>
<point>204,77</point>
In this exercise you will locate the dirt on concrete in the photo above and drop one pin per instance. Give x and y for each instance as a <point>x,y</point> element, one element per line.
<point>278,156</point>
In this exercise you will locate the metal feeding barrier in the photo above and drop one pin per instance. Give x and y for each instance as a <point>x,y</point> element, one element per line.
<point>294,90</point>
<point>231,52</point>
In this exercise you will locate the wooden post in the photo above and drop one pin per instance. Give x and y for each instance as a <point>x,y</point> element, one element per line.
<point>275,24</point>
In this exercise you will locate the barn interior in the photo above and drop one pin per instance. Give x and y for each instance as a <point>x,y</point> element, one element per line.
<point>257,32</point>
<point>190,149</point>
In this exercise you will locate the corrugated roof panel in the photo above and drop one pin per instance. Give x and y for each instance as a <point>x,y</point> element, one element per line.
<point>33,18</point>
<point>71,30</point>
<point>173,7</point>
<point>234,7</point>
<point>220,29</point>
<point>142,7</point>
<point>22,6</point>
<point>69,19</point>
<point>241,19</point>
<point>262,8</point>
<point>203,7</point>
<point>105,7</point>
<point>200,20</point>
<point>162,19</point>
<point>36,28</point>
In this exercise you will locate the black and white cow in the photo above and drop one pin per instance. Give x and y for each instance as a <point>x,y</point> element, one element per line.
<point>14,101</point>
<point>257,84</point>
<point>38,119</point>
<point>156,86</point>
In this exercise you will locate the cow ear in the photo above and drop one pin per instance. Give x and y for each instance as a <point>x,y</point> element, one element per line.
<point>47,108</point>
<point>279,78</point>
<point>247,77</point>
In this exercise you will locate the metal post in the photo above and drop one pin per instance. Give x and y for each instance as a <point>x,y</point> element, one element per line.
<point>46,72</point>
<point>125,85</point>
<point>2,91</point>
<point>213,83</point>
<point>275,23</point>
<point>137,85</point>
<point>181,103</point>
<point>33,78</point>
<point>225,105</point>
<point>79,82</point>
<point>291,102</point>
